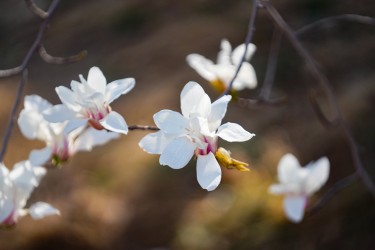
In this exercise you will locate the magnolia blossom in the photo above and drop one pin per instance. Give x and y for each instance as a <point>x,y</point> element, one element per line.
<point>299,183</point>
<point>194,132</point>
<point>15,189</point>
<point>89,102</point>
<point>61,140</point>
<point>221,74</point>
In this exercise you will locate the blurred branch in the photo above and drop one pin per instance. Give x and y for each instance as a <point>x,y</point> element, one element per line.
<point>60,60</point>
<point>338,186</point>
<point>10,72</point>
<point>22,70</point>
<point>325,85</point>
<point>334,19</point>
<point>35,9</point>
<point>319,113</point>
<point>249,37</point>
<point>251,103</point>
<point>142,127</point>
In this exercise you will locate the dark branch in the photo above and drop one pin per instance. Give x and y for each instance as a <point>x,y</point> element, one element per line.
<point>141,127</point>
<point>60,60</point>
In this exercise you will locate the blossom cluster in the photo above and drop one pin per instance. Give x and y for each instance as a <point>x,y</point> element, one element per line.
<point>85,119</point>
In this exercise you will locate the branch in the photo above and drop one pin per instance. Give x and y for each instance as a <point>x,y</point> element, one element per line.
<point>35,9</point>
<point>319,113</point>
<point>250,103</point>
<point>60,60</point>
<point>248,39</point>
<point>142,127</point>
<point>10,72</point>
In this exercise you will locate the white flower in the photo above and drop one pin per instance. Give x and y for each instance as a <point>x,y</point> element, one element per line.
<point>195,132</point>
<point>61,141</point>
<point>299,183</point>
<point>15,189</point>
<point>89,102</point>
<point>222,73</point>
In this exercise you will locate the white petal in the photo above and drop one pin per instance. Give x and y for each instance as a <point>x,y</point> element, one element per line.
<point>119,87</point>
<point>29,123</point>
<point>233,132</point>
<point>177,153</point>
<point>277,189</point>
<point>294,207</point>
<point>67,97</point>
<point>96,80</point>
<point>91,138</point>
<point>171,122</point>
<point>318,175</point>
<point>6,194</point>
<point>208,172</point>
<point>73,125</point>
<point>155,143</point>
<point>218,110</point>
<point>289,169</point>
<point>195,100</point>
<point>114,122</point>
<point>36,103</point>
<point>201,65</point>
<point>246,78</point>
<point>59,113</point>
<point>40,210</point>
<point>39,157</point>
<point>240,50</point>
<point>224,56</point>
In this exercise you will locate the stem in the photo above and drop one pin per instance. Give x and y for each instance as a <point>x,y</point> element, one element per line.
<point>143,127</point>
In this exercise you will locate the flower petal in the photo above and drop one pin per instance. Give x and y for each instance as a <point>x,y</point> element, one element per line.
<point>114,122</point>
<point>288,169</point>
<point>68,98</point>
<point>318,175</point>
<point>177,153</point>
<point>208,172</point>
<point>277,189</point>
<point>91,138</point>
<point>240,50</point>
<point>38,157</point>
<point>96,80</point>
<point>40,210</point>
<point>29,123</point>
<point>59,113</point>
<point>195,100</point>
<point>294,207</point>
<point>119,87</point>
<point>246,78</point>
<point>224,56</point>
<point>171,122</point>
<point>218,110</point>
<point>36,103</point>
<point>201,65</point>
<point>233,132</point>
<point>155,143</point>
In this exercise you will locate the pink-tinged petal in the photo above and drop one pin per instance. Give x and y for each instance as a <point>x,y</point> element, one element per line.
<point>119,87</point>
<point>91,138</point>
<point>233,132</point>
<point>68,98</point>
<point>240,50</point>
<point>224,56</point>
<point>208,172</point>
<point>246,78</point>
<point>155,143</point>
<point>40,210</point>
<point>195,100</point>
<point>96,80</point>
<point>177,153</point>
<point>294,207</point>
<point>39,157</point>
<point>36,103</point>
<point>289,169</point>
<point>171,122</point>
<point>218,110</point>
<point>318,175</point>
<point>59,113</point>
<point>202,66</point>
<point>114,122</point>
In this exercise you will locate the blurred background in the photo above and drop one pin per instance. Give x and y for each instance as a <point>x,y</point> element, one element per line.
<point>118,197</point>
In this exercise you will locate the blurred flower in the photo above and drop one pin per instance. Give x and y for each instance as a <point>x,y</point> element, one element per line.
<point>222,73</point>
<point>61,141</point>
<point>195,132</point>
<point>88,102</point>
<point>299,183</point>
<point>15,189</point>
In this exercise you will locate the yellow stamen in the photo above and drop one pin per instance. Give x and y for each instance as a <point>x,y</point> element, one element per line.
<point>225,160</point>
<point>219,85</point>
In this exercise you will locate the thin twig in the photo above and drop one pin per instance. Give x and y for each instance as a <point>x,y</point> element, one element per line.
<point>320,114</point>
<point>338,186</point>
<point>324,83</point>
<point>142,127</point>
<point>35,9</point>
<point>346,17</point>
<point>22,82</point>
<point>10,72</point>
<point>251,103</point>
<point>248,40</point>
<point>60,60</point>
